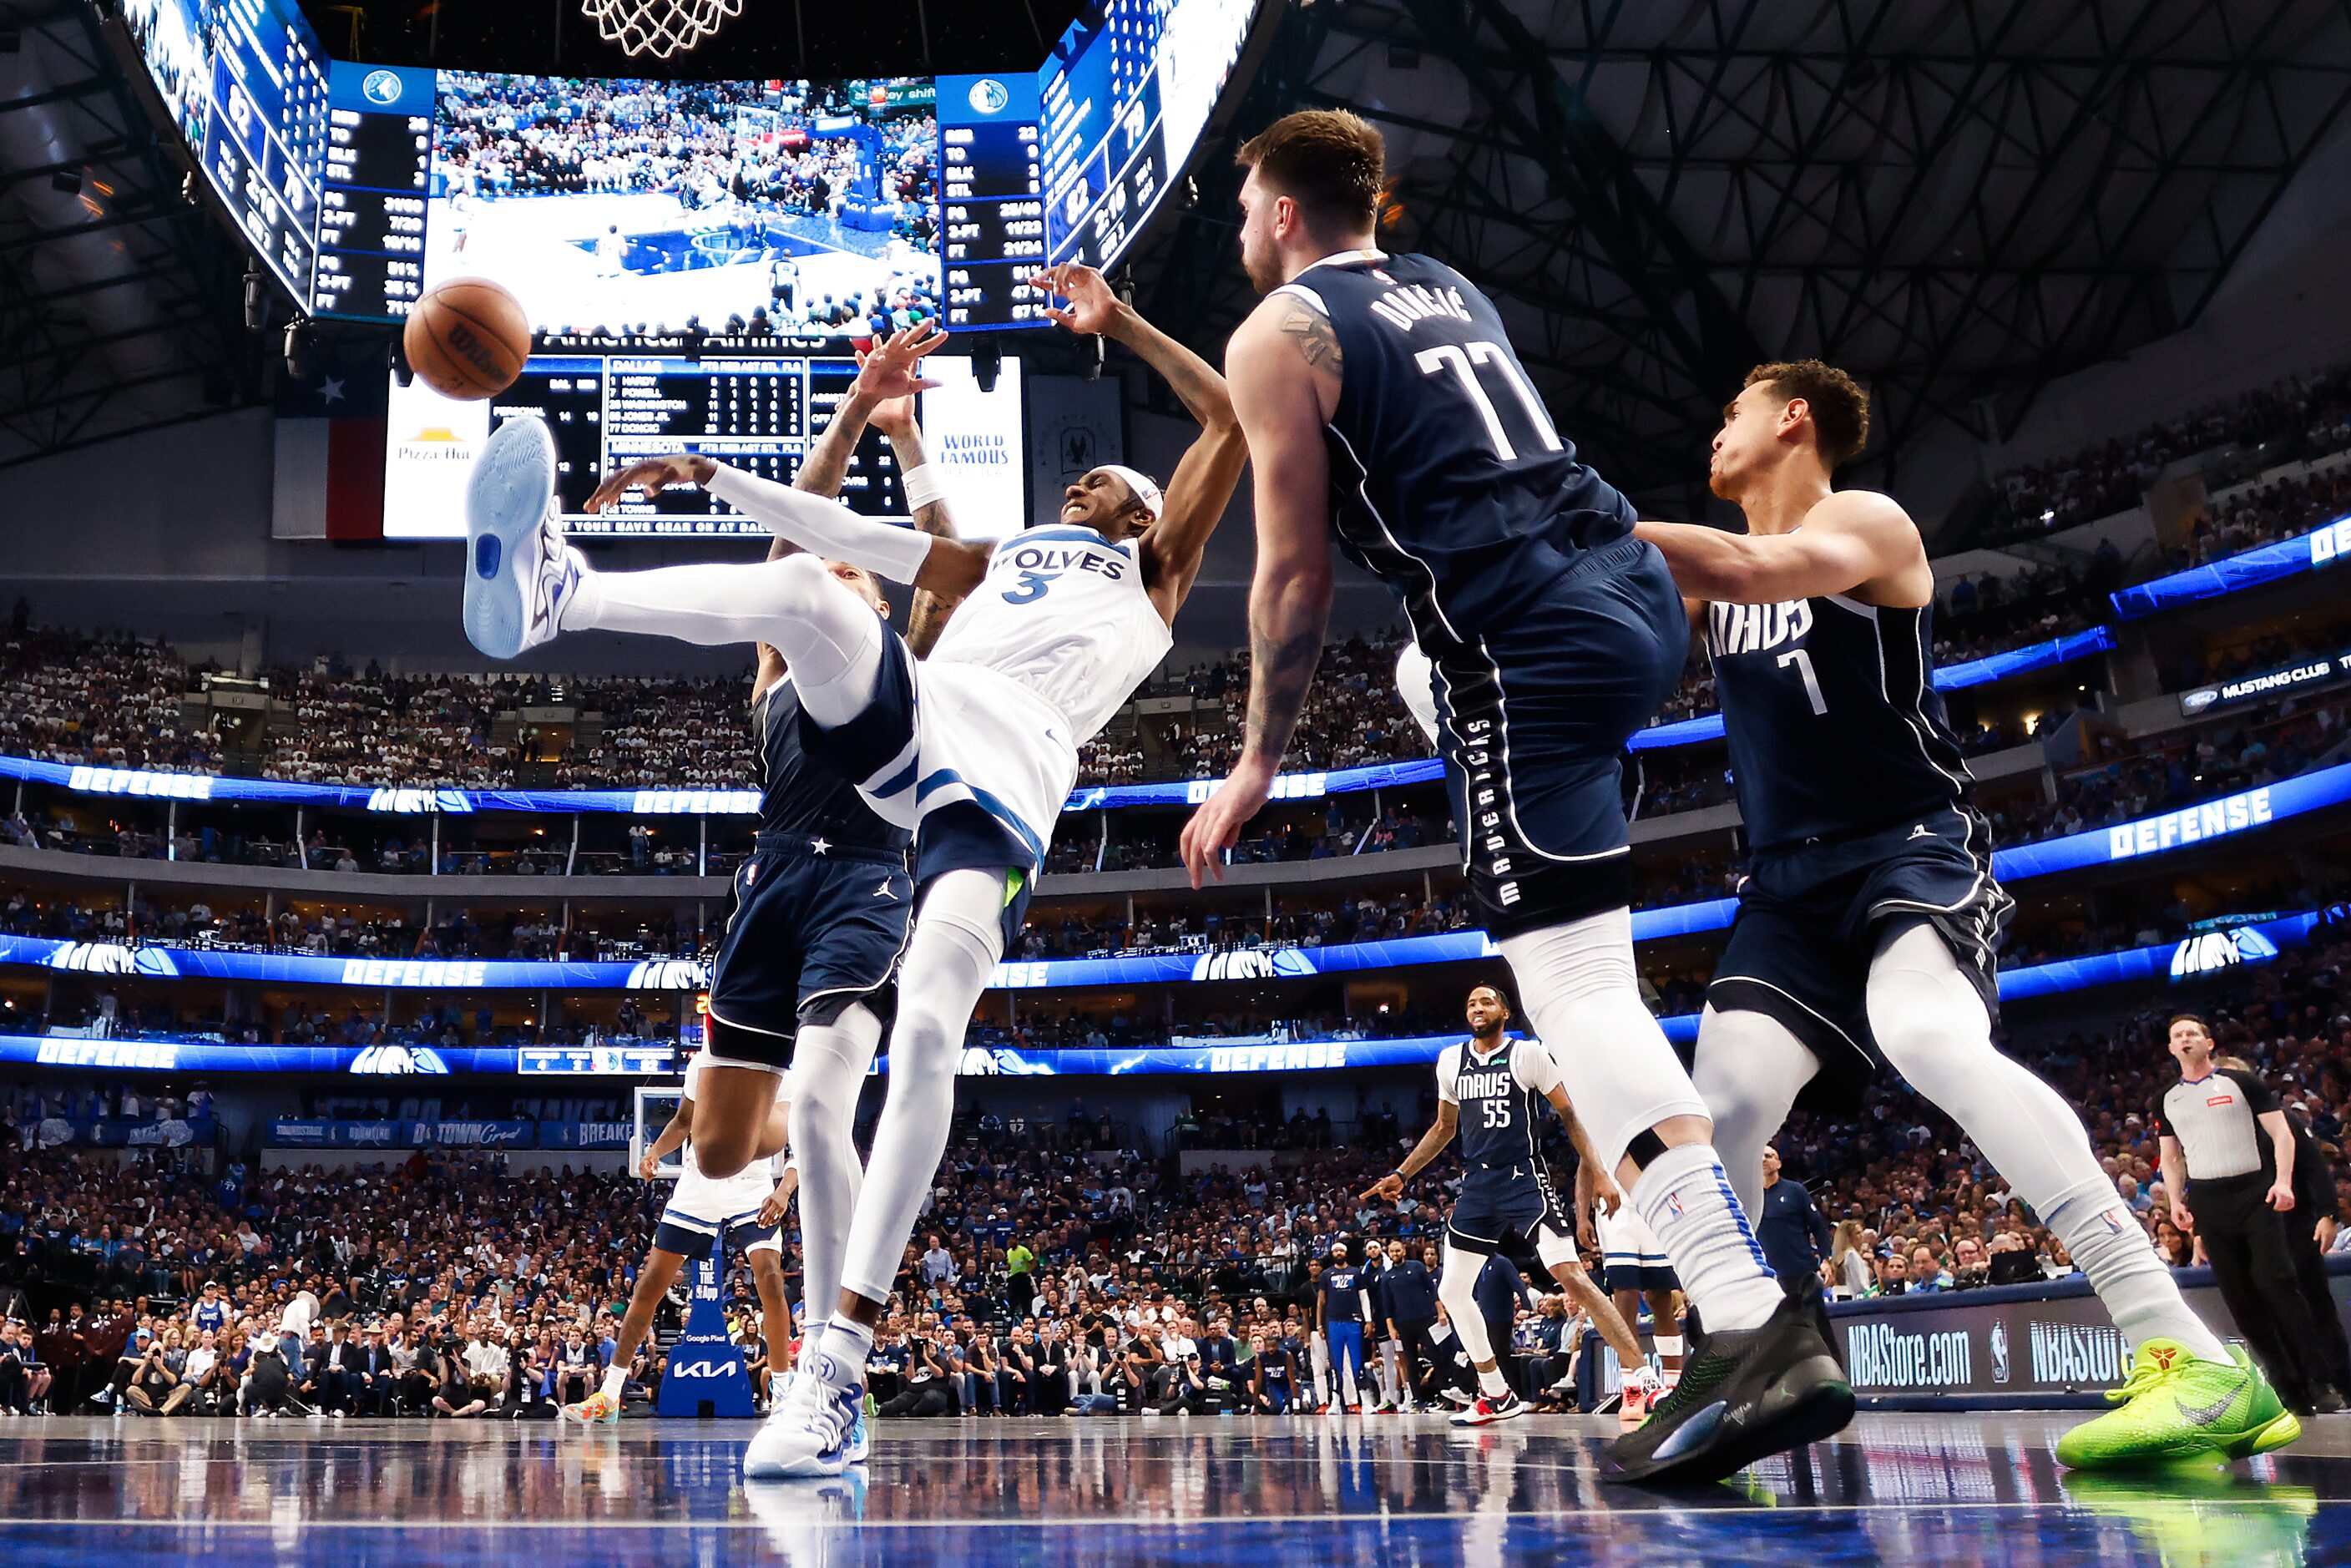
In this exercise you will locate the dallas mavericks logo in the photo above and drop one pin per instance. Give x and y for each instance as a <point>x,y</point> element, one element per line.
<point>398,1061</point>
<point>2216,950</point>
<point>989,96</point>
<point>1253,963</point>
<point>113,958</point>
<point>981,1062</point>
<point>2000,1350</point>
<point>669,975</point>
<point>382,87</point>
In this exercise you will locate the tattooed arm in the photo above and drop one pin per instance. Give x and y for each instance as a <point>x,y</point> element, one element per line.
<point>1283,366</point>
<point>928,618</point>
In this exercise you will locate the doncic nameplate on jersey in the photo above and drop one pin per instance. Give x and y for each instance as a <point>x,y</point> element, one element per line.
<point>705,1374</point>
<point>2012,1344</point>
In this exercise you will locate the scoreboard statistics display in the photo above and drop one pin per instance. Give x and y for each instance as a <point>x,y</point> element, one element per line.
<point>378,160</point>
<point>607,410</point>
<point>828,206</point>
<point>761,413</point>
<point>245,82</point>
<point>1124,103</point>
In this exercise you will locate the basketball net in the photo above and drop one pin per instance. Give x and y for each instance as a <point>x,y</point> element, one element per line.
<point>658,28</point>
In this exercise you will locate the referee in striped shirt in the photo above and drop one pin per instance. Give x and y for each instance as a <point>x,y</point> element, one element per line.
<point>2228,1164</point>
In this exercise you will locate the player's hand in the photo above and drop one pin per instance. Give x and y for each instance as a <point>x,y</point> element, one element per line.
<point>2280,1198</point>
<point>771,1209</point>
<point>892,367</point>
<point>894,417</point>
<point>653,476</point>
<point>1092,307</point>
<point>1389,1187</point>
<point>2181,1217</point>
<point>1217,826</point>
<point>646,1164</point>
<point>1607,1193</point>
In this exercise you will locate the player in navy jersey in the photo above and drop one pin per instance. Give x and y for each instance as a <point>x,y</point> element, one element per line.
<point>1381,403</point>
<point>1343,1305</point>
<point>1868,913</point>
<point>1485,1092</point>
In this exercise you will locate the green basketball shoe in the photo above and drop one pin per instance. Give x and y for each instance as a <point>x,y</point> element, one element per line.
<point>2175,1407</point>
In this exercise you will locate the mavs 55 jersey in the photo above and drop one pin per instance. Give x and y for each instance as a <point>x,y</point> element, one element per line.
<point>1505,1187</point>
<point>1553,631</point>
<point>1854,796</point>
<point>823,906</point>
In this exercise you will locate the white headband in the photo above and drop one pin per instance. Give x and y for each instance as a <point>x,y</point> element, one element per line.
<point>1145,489</point>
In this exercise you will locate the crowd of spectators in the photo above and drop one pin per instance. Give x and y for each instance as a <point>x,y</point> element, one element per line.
<point>2305,416</point>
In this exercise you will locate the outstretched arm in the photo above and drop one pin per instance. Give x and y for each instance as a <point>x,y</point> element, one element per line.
<point>1205,480</point>
<point>1432,1144</point>
<point>1283,359</point>
<point>821,475</point>
<point>1854,540</point>
<point>928,616</point>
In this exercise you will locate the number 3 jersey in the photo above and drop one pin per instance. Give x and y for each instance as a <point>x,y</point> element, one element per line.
<point>1834,725</point>
<point>1063,613</point>
<point>1446,475</point>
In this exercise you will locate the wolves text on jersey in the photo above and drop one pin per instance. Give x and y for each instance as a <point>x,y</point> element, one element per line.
<point>1752,627</point>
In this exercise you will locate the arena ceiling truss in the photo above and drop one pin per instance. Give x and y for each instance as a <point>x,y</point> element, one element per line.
<point>120,299</point>
<point>1959,199</point>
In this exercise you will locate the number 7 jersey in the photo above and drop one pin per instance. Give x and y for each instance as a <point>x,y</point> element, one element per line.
<point>1448,477</point>
<point>1835,727</point>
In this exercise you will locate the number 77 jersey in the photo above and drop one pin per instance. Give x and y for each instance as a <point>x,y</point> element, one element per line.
<point>1448,477</point>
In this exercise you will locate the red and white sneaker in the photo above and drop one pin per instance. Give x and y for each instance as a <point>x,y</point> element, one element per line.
<point>1641,1396</point>
<point>1490,1409</point>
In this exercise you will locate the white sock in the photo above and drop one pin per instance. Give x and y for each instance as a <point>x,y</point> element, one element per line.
<point>830,639</point>
<point>949,961</point>
<point>1686,1200</point>
<point>1492,1383</point>
<point>839,1358</point>
<point>1748,1069</point>
<point>828,1066</point>
<point>1931,1024</point>
<point>616,1378</point>
<point>2126,1270</point>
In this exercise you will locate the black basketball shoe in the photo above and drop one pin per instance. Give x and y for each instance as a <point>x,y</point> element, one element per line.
<point>1743,1394</point>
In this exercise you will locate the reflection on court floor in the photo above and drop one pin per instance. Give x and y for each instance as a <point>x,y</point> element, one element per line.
<point>1308,1490</point>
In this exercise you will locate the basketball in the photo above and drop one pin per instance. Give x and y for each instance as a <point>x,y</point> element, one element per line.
<point>467,338</point>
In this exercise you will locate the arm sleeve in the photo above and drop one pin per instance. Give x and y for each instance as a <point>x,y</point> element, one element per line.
<point>2157,1125</point>
<point>1448,1068</point>
<point>824,527</point>
<point>1531,1065</point>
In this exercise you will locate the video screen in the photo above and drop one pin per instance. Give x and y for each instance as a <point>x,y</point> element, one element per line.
<point>246,85</point>
<point>645,207</point>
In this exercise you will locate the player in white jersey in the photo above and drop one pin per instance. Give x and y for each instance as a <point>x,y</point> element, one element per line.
<point>976,748</point>
<point>701,1211</point>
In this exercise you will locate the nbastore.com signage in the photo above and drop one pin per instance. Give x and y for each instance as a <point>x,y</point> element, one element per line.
<point>1990,1344</point>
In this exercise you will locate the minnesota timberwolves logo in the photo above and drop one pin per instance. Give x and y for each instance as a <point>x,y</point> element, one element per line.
<point>989,96</point>
<point>382,87</point>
